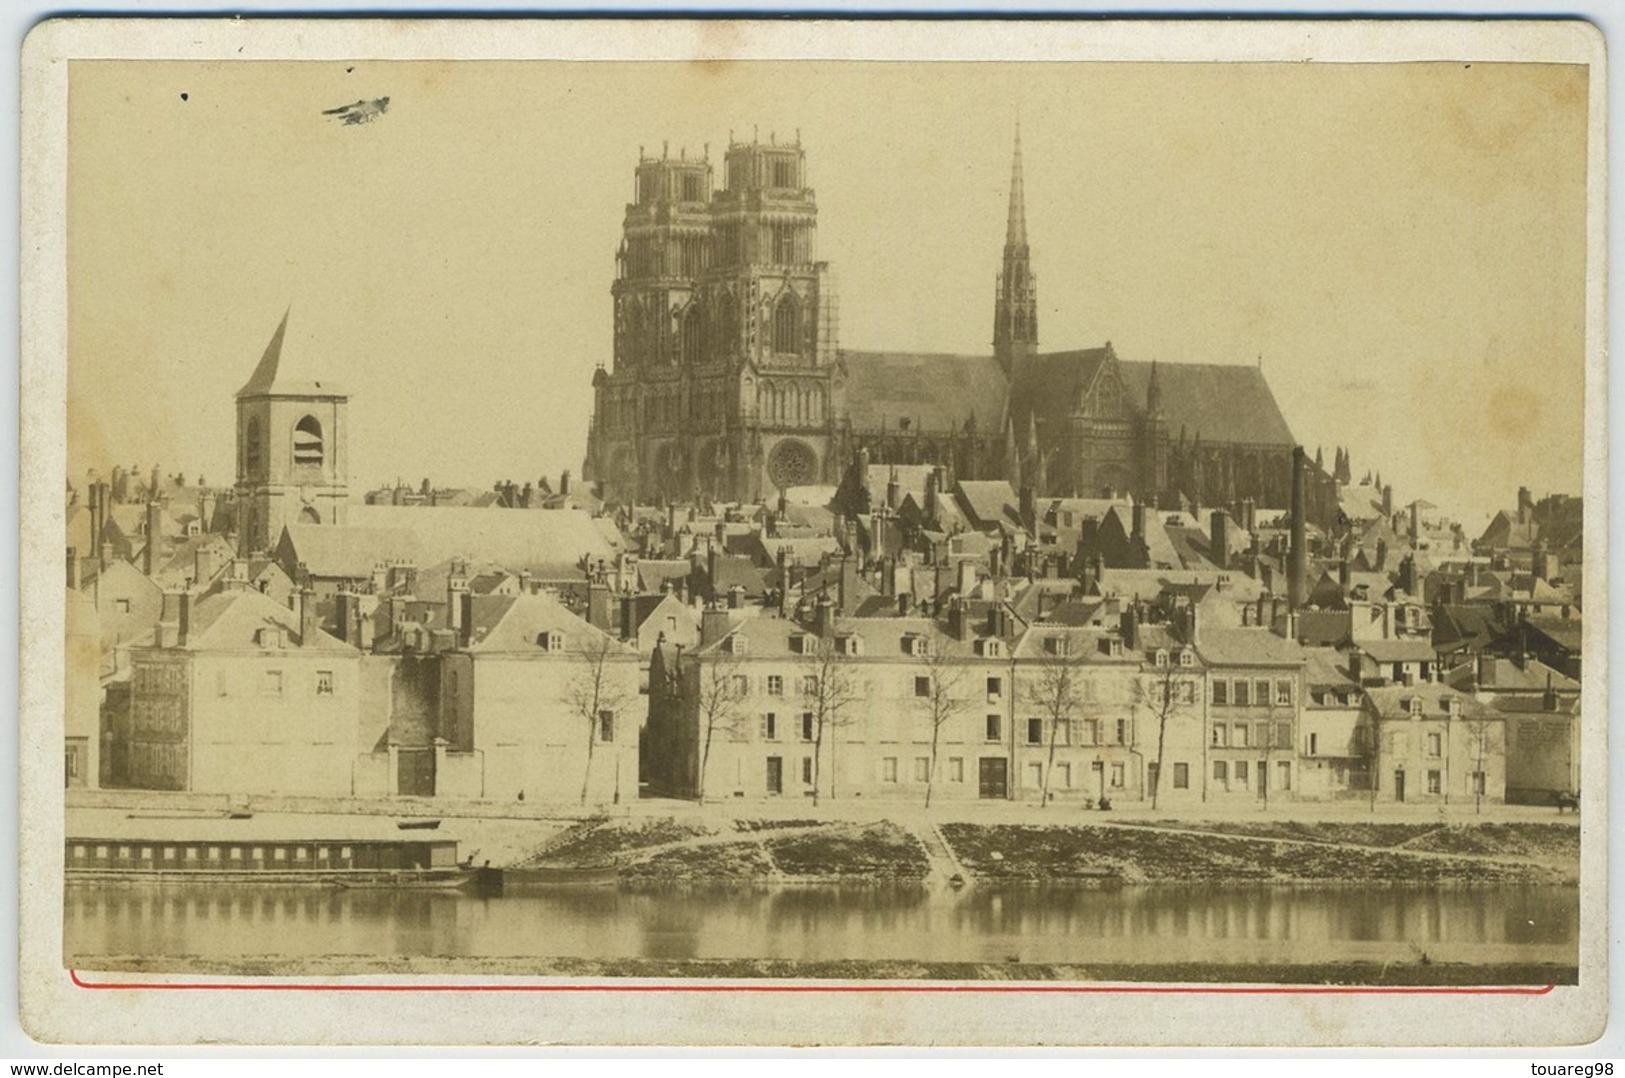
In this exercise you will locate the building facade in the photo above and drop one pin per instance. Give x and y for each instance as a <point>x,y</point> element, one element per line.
<point>728,382</point>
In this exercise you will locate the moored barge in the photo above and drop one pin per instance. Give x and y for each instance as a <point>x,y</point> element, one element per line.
<point>355,852</point>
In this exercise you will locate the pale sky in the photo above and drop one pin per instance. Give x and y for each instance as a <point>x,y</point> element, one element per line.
<point>1404,245</point>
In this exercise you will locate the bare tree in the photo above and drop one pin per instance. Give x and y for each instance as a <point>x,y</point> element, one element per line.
<point>1481,726</point>
<point>595,693</point>
<point>827,692</point>
<point>1167,694</point>
<point>941,704</point>
<point>1056,693</point>
<point>721,695</point>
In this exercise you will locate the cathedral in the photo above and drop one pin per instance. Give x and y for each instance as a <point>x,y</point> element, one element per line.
<point>728,382</point>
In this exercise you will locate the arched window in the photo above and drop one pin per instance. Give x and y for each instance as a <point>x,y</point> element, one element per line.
<point>307,441</point>
<point>787,325</point>
<point>253,451</point>
<point>725,325</point>
<point>693,340</point>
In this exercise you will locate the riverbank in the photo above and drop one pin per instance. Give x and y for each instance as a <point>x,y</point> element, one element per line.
<point>1099,976</point>
<point>751,844</point>
<point>671,850</point>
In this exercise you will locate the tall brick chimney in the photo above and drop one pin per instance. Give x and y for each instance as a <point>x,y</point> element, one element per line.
<point>149,556</point>
<point>1296,573</point>
<point>1219,544</point>
<point>308,622</point>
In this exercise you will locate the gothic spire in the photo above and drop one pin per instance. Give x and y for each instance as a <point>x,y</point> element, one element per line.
<point>1015,234</point>
<point>1015,306</point>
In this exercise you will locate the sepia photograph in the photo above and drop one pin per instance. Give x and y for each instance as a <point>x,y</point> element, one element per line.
<point>1091,515</point>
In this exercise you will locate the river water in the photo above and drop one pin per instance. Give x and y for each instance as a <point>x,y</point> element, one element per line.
<point>986,923</point>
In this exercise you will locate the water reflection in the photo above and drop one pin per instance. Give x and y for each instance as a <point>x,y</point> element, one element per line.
<point>1247,923</point>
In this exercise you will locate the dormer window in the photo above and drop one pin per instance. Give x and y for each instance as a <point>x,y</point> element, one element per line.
<point>1054,645</point>
<point>1161,657</point>
<point>1416,705</point>
<point>737,644</point>
<point>850,645</point>
<point>1187,657</point>
<point>1114,646</point>
<point>916,645</point>
<point>1452,706</point>
<point>801,643</point>
<point>550,640</point>
<point>989,648</point>
<point>268,638</point>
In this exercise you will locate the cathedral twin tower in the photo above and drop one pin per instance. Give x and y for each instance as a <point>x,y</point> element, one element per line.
<point>727,382</point>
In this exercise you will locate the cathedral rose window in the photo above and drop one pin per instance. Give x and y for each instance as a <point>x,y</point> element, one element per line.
<point>793,464</point>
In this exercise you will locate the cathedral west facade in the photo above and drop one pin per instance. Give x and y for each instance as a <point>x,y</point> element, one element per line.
<point>728,382</point>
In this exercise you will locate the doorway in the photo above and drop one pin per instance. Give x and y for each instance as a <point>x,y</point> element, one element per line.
<point>775,774</point>
<point>1399,784</point>
<point>993,781</point>
<point>414,773</point>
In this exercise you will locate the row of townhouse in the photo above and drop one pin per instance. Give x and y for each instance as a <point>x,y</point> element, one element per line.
<point>922,707</point>
<point>235,693</point>
<point>1170,713</point>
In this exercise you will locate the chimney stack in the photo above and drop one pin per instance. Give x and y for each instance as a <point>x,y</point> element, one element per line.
<point>183,619</point>
<point>598,604</point>
<point>95,515</point>
<point>149,557</point>
<point>1548,699</point>
<point>967,577</point>
<point>1526,505</point>
<point>1219,545</point>
<point>564,482</point>
<point>893,491</point>
<point>1137,518</point>
<point>456,588</point>
<point>1416,522</point>
<point>73,568</point>
<point>169,620</point>
<point>1388,501</point>
<point>714,624</point>
<point>307,616</point>
<point>1542,561</point>
<point>784,581</point>
<point>1296,574</point>
<point>824,617</point>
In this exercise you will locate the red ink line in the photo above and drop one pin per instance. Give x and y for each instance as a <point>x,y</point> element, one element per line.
<point>831,989</point>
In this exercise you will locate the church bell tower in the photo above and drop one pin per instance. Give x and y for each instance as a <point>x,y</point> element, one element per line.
<point>292,450</point>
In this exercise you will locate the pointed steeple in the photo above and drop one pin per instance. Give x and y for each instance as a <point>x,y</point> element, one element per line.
<point>1015,302</point>
<point>1012,455</point>
<point>1015,233</point>
<point>1153,393</point>
<point>264,376</point>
